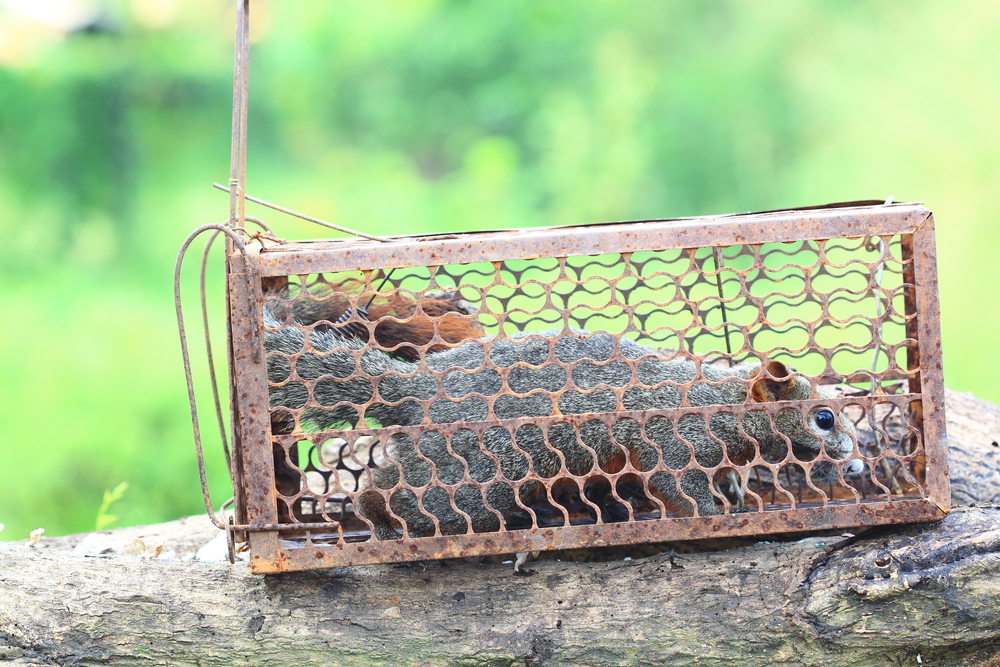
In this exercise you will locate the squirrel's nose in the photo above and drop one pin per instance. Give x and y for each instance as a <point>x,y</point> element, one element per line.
<point>854,467</point>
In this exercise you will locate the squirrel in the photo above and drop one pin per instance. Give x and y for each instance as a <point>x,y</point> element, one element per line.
<point>345,395</point>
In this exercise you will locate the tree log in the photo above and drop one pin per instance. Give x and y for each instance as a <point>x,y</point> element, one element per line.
<point>921,594</point>
<point>973,449</point>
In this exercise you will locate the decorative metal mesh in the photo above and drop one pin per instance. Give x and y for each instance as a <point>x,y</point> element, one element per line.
<point>580,437</point>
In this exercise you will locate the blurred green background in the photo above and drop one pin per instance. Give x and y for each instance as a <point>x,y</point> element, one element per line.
<point>420,116</point>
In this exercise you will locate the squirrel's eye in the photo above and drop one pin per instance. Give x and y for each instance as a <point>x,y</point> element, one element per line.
<point>824,419</point>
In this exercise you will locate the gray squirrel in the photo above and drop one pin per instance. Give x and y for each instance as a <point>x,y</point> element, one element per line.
<point>341,373</point>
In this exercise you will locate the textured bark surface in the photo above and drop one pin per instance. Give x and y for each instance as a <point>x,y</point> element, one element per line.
<point>973,449</point>
<point>882,598</point>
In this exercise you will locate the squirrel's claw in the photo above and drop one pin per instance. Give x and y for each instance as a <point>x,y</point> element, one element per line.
<point>523,557</point>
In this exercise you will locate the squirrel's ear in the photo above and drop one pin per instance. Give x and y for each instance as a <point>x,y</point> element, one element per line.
<point>779,387</point>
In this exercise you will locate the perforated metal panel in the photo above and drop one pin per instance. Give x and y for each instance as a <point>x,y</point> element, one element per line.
<point>572,387</point>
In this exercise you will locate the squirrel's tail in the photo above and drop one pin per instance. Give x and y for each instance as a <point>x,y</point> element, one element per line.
<point>327,362</point>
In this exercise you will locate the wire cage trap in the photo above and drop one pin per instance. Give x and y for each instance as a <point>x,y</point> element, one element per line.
<point>489,393</point>
<point>538,389</point>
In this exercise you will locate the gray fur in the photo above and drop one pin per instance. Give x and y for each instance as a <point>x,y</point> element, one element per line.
<point>529,359</point>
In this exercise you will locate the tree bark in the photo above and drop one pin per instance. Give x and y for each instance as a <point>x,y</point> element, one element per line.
<point>923,594</point>
<point>973,449</point>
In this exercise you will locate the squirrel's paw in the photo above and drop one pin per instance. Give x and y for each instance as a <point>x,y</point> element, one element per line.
<point>522,558</point>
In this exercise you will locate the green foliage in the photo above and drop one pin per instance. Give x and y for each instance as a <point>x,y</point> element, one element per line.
<point>427,116</point>
<point>103,518</point>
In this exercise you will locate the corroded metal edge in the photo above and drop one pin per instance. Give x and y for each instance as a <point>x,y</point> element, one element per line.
<point>931,370</point>
<point>596,535</point>
<point>252,424</point>
<point>320,257</point>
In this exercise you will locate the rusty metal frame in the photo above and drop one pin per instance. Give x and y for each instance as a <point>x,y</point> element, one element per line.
<point>912,222</point>
<point>350,254</point>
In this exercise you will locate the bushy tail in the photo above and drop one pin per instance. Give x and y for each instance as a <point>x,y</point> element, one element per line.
<point>330,367</point>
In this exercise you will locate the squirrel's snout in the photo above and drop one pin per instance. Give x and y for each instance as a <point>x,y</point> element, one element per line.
<point>855,467</point>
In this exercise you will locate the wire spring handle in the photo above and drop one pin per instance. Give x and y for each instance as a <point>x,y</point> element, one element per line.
<point>255,335</point>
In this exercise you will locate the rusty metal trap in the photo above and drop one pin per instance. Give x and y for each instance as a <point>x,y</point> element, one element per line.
<point>427,397</point>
